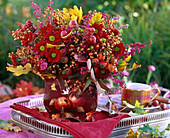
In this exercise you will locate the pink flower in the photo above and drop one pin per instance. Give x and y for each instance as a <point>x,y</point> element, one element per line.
<point>125,73</point>
<point>83,70</point>
<point>150,43</point>
<point>154,83</point>
<point>43,66</point>
<point>151,67</point>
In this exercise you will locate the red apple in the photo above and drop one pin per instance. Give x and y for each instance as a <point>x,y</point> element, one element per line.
<point>62,102</point>
<point>73,24</point>
<point>155,103</point>
<point>163,106</point>
<point>91,40</point>
<point>75,101</point>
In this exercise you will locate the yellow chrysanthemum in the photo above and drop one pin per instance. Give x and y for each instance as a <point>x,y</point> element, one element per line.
<point>96,18</point>
<point>73,14</point>
<point>76,12</point>
<point>19,70</point>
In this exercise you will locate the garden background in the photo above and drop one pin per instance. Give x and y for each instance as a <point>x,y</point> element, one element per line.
<point>148,20</point>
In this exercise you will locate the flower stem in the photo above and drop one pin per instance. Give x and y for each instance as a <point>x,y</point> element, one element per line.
<point>149,76</point>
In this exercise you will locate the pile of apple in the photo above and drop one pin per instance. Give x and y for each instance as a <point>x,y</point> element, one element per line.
<point>156,103</point>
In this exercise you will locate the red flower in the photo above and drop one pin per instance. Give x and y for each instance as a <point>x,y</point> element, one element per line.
<point>101,73</point>
<point>51,34</point>
<point>40,47</point>
<point>118,49</point>
<point>27,39</point>
<point>53,55</point>
<point>23,88</point>
<point>116,32</point>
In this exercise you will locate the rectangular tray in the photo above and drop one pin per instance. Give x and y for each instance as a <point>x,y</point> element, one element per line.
<point>44,129</point>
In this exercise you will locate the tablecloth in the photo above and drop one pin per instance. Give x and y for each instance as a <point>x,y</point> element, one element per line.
<point>5,114</point>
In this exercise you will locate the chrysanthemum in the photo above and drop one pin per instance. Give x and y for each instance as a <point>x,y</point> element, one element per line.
<point>53,55</point>
<point>118,49</point>
<point>40,47</point>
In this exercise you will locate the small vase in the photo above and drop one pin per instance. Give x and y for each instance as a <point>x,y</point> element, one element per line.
<point>55,99</point>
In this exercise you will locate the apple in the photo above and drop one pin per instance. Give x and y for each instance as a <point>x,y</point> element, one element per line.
<point>62,102</point>
<point>163,106</point>
<point>91,40</point>
<point>155,103</point>
<point>75,101</point>
<point>73,24</point>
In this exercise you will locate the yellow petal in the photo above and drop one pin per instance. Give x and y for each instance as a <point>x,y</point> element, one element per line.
<point>57,46</point>
<point>122,66</point>
<point>96,18</point>
<point>19,70</point>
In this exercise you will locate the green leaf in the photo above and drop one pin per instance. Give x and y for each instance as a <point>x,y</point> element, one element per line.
<point>102,85</point>
<point>7,125</point>
<point>87,84</point>
<point>139,108</point>
<point>168,127</point>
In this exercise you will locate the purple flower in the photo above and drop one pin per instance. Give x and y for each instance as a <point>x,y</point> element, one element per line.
<point>151,67</point>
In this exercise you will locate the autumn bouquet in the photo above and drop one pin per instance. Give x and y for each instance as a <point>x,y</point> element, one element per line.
<point>79,49</point>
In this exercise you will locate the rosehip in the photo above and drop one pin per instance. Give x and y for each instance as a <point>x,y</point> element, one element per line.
<point>68,71</point>
<point>73,24</point>
<point>91,40</point>
<point>103,64</point>
<point>36,108</point>
<point>163,106</point>
<point>111,68</point>
<point>96,69</point>
<point>90,31</point>
<point>100,56</point>
<point>63,33</point>
<point>155,103</point>
<point>29,23</point>
<point>95,61</point>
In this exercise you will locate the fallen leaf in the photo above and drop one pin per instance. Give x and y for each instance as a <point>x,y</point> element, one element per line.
<point>7,125</point>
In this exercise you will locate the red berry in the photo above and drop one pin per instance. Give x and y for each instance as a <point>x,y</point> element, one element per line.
<point>29,23</point>
<point>36,108</point>
<point>111,68</point>
<point>73,24</point>
<point>90,31</point>
<point>103,64</point>
<point>91,40</point>
<point>163,106</point>
<point>155,103</point>
<point>100,56</point>
<point>95,61</point>
<point>63,33</point>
